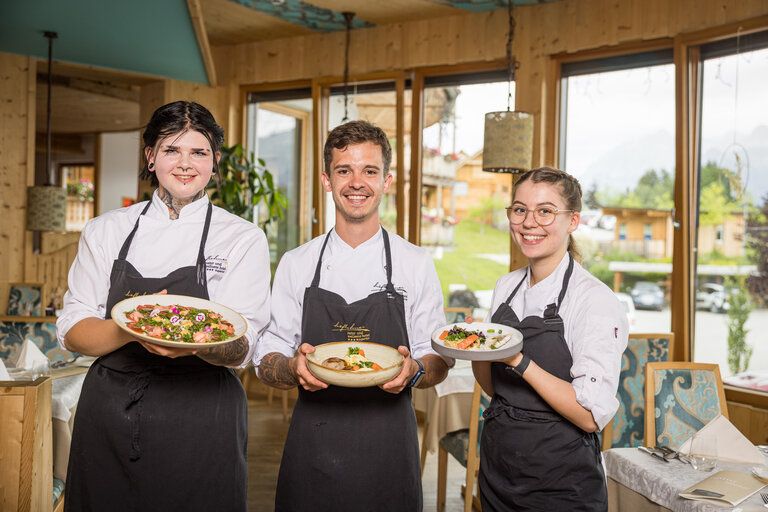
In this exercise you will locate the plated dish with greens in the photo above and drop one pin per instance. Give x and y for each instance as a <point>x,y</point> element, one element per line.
<point>178,320</point>
<point>478,341</point>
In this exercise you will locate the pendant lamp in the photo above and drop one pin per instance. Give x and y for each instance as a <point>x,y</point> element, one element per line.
<point>47,204</point>
<point>508,140</point>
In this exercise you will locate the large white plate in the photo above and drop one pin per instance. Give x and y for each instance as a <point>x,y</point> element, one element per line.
<point>509,349</point>
<point>388,358</point>
<point>231,316</point>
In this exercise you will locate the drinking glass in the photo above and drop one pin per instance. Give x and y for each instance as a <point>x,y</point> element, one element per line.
<point>700,452</point>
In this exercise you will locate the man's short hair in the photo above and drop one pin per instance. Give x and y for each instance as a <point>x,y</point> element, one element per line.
<point>356,132</point>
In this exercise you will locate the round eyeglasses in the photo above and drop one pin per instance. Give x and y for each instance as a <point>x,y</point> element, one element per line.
<point>543,215</point>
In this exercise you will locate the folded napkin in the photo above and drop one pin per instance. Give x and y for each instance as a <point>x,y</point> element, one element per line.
<point>29,357</point>
<point>731,444</point>
<point>3,372</point>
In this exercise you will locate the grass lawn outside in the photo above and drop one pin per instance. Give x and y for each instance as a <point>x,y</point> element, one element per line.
<point>460,263</point>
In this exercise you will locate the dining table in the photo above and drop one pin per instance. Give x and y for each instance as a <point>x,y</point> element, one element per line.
<point>639,482</point>
<point>446,405</point>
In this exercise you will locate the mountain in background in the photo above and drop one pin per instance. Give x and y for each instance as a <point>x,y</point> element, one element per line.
<point>621,167</point>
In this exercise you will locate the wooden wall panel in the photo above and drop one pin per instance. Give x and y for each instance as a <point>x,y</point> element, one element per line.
<point>17,92</point>
<point>542,29</point>
<point>751,421</point>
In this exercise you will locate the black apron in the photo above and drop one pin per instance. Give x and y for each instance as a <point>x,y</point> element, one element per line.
<point>155,433</point>
<point>532,458</point>
<point>351,449</point>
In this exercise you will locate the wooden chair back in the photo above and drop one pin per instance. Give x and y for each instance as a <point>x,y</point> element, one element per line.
<point>680,398</point>
<point>456,314</point>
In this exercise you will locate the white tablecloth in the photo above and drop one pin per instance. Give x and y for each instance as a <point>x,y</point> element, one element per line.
<point>447,405</point>
<point>662,482</point>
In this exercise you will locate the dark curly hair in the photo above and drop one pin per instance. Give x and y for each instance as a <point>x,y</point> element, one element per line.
<point>356,132</point>
<point>179,117</point>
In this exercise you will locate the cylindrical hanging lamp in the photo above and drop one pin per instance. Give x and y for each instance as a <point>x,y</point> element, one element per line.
<point>47,204</point>
<point>508,139</point>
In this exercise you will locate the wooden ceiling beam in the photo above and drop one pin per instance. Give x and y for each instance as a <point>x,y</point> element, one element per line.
<point>107,89</point>
<point>196,15</point>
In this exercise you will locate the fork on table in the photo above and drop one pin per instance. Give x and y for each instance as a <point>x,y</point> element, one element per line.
<point>764,495</point>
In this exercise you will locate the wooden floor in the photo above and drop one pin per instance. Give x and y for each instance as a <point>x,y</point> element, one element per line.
<point>267,432</point>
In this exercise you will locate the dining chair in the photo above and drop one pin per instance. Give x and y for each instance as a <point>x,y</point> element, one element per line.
<point>627,428</point>
<point>680,398</point>
<point>25,299</point>
<point>464,446</point>
<point>456,314</point>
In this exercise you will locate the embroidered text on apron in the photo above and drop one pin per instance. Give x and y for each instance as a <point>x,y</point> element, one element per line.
<point>155,433</point>
<point>351,449</point>
<point>531,457</point>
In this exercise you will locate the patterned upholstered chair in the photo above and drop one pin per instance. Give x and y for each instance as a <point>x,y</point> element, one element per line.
<point>25,300</point>
<point>455,315</point>
<point>464,446</point>
<point>627,428</point>
<point>680,398</point>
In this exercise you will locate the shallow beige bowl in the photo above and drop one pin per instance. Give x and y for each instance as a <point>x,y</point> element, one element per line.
<point>388,358</point>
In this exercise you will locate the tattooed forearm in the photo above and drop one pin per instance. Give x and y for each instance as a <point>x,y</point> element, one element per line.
<point>229,354</point>
<point>275,371</point>
<point>175,205</point>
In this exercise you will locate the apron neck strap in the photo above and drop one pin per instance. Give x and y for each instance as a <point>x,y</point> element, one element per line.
<point>553,308</point>
<point>316,279</point>
<point>387,253</point>
<point>127,243</point>
<point>201,253</point>
<point>509,299</point>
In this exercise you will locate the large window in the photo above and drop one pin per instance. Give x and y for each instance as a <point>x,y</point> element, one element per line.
<point>278,132</point>
<point>463,222</point>
<point>732,227</point>
<point>617,137</point>
<point>375,102</point>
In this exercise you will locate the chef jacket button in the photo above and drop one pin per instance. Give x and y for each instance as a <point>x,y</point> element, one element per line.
<point>593,379</point>
<point>328,267</point>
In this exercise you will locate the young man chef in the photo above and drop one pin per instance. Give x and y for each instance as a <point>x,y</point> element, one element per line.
<point>353,448</point>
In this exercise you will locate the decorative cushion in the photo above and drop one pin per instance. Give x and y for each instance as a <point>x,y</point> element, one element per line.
<point>24,300</point>
<point>58,488</point>
<point>685,401</point>
<point>43,334</point>
<point>456,443</point>
<point>628,427</point>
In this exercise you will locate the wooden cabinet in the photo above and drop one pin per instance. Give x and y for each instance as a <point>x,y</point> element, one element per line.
<point>26,457</point>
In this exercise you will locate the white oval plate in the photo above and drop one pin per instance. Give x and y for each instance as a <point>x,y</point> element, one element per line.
<point>126,305</point>
<point>761,472</point>
<point>390,360</point>
<point>509,349</point>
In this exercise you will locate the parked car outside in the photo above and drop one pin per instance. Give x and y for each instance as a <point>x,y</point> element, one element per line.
<point>647,295</point>
<point>713,297</point>
<point>629,308</point>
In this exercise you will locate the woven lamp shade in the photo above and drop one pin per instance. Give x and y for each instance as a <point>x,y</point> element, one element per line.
<point>46,208</point>
<point>508,145</point>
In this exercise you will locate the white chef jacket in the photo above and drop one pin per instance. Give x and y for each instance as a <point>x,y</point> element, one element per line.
<point>595,328</point>
<point>236,255</point>
<point>354,273</point>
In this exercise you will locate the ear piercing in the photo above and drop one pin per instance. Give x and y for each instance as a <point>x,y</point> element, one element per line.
<point>151,166</point>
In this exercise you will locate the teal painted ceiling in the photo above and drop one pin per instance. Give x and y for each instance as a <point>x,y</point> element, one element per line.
<point>153,37</point>
<point>157,37</point>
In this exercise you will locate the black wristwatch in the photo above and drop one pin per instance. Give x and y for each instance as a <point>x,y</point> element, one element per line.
<point>419,375</point>
<point>521,366</point>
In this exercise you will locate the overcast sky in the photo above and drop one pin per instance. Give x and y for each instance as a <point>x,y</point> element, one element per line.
<point>609,110</point>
